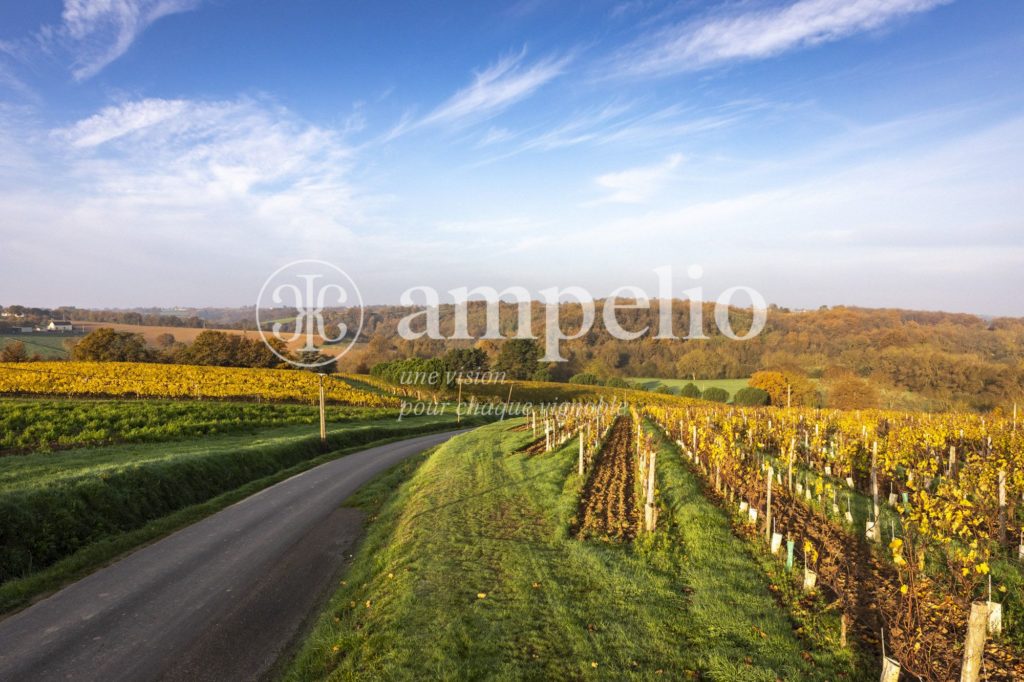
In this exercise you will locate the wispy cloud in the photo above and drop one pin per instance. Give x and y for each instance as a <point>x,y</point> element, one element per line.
<point>637,185</point>
<point>499,86</point>
<point>209,177</point>
<point>507,81</point>
<point>98,32</point>
<point>758,34</point>
<point>117,121</point>
<point>626,124</point>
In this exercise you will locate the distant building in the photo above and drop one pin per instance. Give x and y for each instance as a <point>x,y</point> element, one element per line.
<point>59,326</point>
<point>25,330</point>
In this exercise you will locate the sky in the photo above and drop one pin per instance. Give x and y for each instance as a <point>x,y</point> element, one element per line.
<point>823,152</point>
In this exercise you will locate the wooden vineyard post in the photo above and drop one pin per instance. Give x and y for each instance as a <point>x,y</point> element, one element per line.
<point>650,511</point>
<point>842,631</point>
<point>534,413</point>
<point>1002,508</point>
<point>323,414</point>
<point>874,531</point>
<point>789,471</point>
<point>768,506</point>
<point>874,479</point>
<point>581,452</point>
<point>458,405</point>
<point>952,461</point>
<point>974,646</point>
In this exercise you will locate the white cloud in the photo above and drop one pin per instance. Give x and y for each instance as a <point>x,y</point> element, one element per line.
<point>758,34</point>
<point>496,88</point>
<point>154,185</point>
<point>637,185</point>
<point>100,31</point>
<point>117,121</point>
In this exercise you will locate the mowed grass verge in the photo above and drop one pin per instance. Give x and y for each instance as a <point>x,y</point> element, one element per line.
<point>469,572</point>
<point>64,513</point>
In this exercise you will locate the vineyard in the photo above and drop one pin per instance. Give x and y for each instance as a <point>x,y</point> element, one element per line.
<point>117,379</point>
<point>906,525</point>
<point>930,547</point>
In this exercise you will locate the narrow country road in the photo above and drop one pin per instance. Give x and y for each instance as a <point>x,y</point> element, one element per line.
<point>221,600</point>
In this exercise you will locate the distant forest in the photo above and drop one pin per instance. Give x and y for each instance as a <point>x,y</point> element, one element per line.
<point>943,359</point>
<point>949,359</point>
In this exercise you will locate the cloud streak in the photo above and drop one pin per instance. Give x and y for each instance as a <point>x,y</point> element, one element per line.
<point>499,86</point>
<point>758,34</point>
<point>99,32</point>
<point>637,185</point>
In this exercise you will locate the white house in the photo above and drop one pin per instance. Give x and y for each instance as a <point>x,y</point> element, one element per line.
<point>59,326</point>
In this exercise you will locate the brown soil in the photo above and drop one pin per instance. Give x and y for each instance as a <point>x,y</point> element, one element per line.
<point>608,507</point>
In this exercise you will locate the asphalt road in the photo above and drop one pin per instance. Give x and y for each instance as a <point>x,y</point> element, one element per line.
<point>220,600</point>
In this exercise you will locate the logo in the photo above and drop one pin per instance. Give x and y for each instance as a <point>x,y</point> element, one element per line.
<point>292,304</point>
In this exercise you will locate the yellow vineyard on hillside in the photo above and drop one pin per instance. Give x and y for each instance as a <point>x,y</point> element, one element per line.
<point>178,381</point>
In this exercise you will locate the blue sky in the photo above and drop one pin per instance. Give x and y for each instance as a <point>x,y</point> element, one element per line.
<point>175,152</point>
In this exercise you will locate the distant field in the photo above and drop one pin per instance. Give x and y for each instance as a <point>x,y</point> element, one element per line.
<point>46,345</point>
<point>182,334</point>
<point>189,334</point>
<point>730,385</point>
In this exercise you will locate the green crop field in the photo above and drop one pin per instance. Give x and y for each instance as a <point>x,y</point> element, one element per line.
<point>48,346</point>
<point>28,424</point>
<point>730,385</point>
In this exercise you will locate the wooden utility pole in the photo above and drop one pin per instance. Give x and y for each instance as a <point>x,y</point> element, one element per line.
<point>323,414</point>
<point>508,400</point>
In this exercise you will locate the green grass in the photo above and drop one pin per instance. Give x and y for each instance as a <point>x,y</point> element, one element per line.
<point>730,385</point>
<point>54,505</point>
<point>28,424</point>
<point>47,346</point>
<point>691,602</point>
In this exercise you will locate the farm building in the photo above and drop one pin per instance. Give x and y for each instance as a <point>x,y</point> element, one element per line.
<point>59,326</point>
